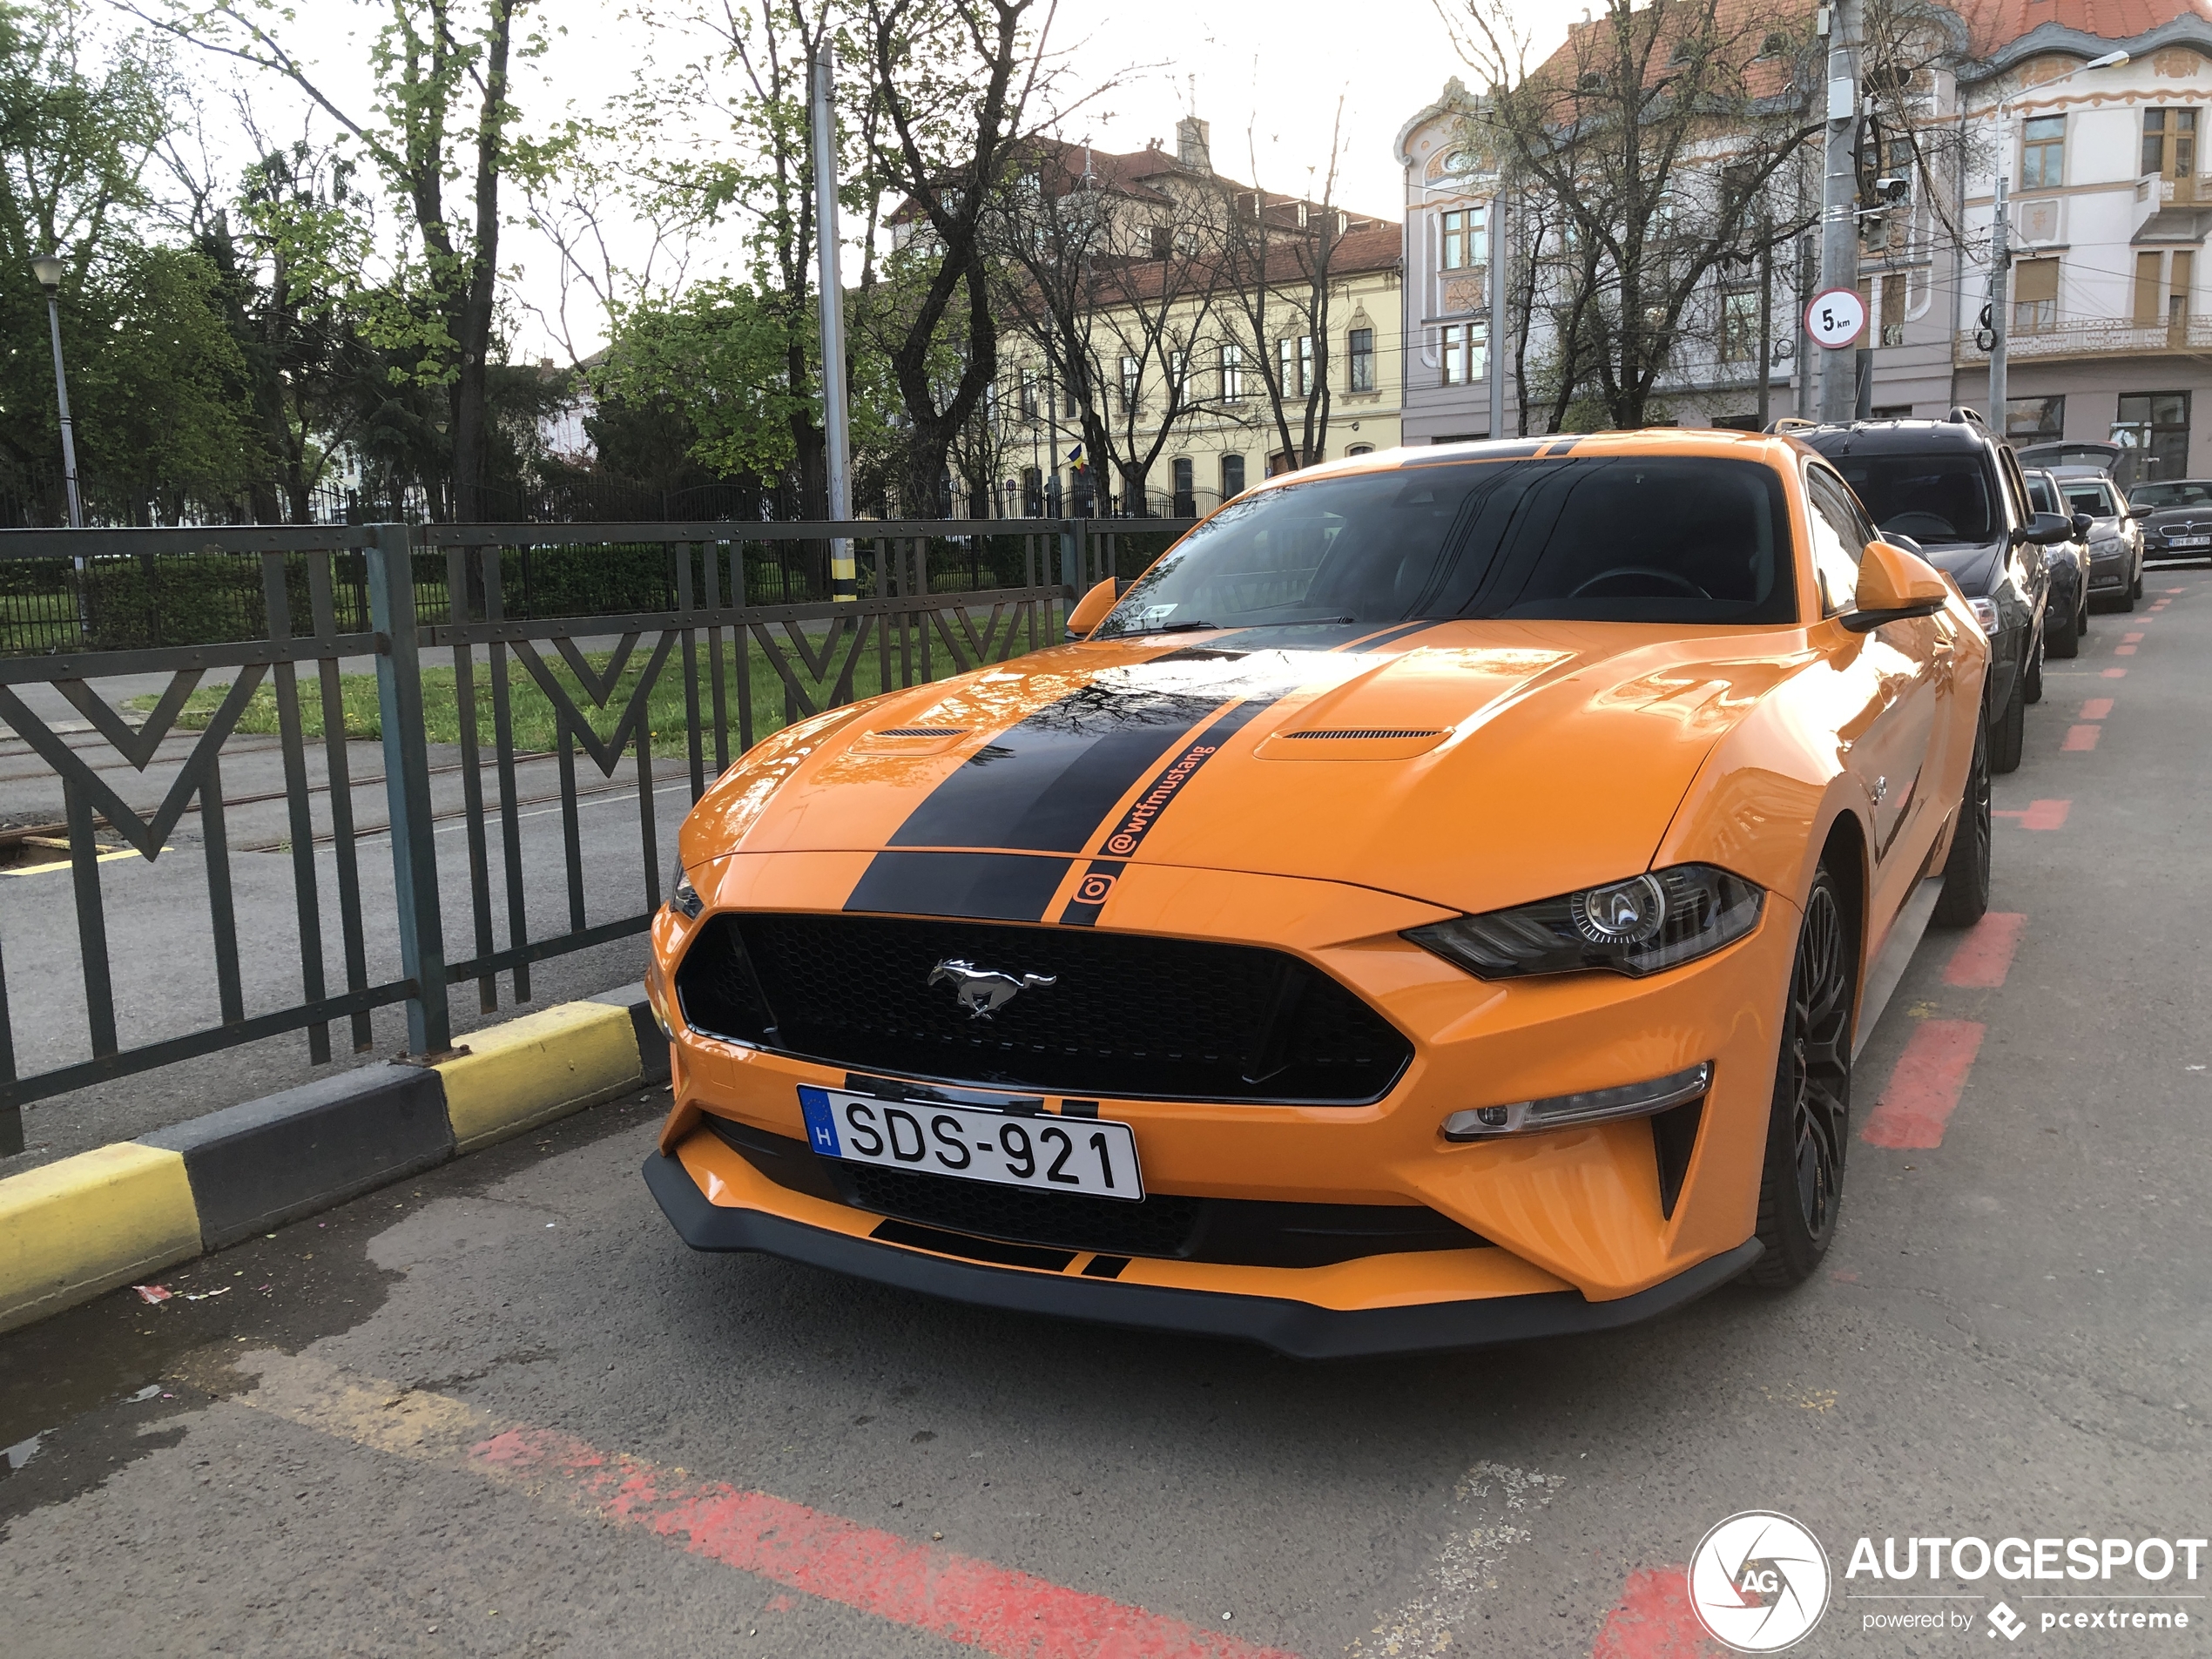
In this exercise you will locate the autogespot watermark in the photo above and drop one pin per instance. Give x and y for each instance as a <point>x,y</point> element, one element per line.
<point>1760,1582</point>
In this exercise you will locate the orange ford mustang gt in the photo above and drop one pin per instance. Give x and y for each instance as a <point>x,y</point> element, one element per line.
<point>1435,905</point>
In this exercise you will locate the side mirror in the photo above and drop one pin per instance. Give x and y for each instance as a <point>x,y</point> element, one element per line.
<point>2082,525</point>
<point>1894,585</point>
<point>2045,530</point>
<point>1092,610</point>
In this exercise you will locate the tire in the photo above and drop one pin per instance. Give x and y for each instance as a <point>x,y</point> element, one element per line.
<point>2064,642</point>
<point>2009,735</point>
<point>1809,1123</point>
<point>1965,898</point>
<point>2127,600</point>
<point>2032,686</point>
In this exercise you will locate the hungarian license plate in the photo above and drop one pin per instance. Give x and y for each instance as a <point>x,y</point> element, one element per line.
<point>1045,1153</point>
<point>2188,541</point>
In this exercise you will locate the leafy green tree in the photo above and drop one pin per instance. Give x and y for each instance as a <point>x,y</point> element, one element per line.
<point>158,385</point>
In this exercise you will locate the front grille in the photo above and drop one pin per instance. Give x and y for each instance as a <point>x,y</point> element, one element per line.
<point>1127,1015</point>
<point>1241,1232</point>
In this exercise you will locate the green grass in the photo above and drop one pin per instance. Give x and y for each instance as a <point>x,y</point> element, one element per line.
<point>534,719</point>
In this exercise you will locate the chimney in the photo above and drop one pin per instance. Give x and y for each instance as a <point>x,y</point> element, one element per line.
<point>1192,148</point>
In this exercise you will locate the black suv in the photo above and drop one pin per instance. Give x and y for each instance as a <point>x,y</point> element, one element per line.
<point>1948,490</point>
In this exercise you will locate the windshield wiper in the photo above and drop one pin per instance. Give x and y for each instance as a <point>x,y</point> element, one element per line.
<point>1181,628</point>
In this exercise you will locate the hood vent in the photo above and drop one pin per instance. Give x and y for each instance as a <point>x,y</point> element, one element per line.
<point>921,732</point>
<point>1369,732</point>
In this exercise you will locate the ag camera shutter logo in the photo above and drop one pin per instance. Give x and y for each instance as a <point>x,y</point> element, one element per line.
<point>1759,1582</point>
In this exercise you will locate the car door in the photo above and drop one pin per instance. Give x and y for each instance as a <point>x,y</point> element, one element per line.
<point>1900,675</point>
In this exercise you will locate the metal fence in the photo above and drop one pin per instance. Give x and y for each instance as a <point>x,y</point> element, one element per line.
<point>450,656</point>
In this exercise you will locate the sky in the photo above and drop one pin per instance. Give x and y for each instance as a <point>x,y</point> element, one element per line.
<point>1268,75</point>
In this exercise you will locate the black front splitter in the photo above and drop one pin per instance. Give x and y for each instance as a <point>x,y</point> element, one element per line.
<point>1298,1329</point>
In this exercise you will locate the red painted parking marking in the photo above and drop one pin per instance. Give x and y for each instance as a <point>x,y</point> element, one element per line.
<point>2115,673</point>
<point>1653,1620</point>
<point>2081,737</point>
<point>1924,1090</point>
<point>2037,814</point>
<point>1985,955</point>
<point>2123,651</point>
<point>2097,708</point>
<point>974,1602</point>
<point>2135,638</point>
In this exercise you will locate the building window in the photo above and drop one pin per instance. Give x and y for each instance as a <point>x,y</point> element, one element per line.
<point>1032,492</point>
<point>1028,394</point>
<point>1178,382</point>
<point>2169,143</point>
<point>1186,499</point>
<point>2043,152</point>
<point>1162,242</point>
<point>1362,449</point>
<point>2158,424</point>
<point>1892,412</point>
<point>1892,318</point>
<point>1294,364</point>
<point>1130,374</point>
<point>1232,476</point>
<point>1466,352</point>
<point>2035,296</point>
<point>1466,238</point>
<point>1740,326</point>
<point>2033,419</point>
<point>1232,374</point>
<point>1361,352</point>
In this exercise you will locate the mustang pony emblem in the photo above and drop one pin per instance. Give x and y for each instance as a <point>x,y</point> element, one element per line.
<point>981,992</point>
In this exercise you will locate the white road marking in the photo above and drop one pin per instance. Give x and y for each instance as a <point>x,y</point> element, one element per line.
<point>1500,1499</point>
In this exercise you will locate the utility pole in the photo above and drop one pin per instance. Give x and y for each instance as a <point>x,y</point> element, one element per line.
<point>1839,196</point>
<point>49,268</point>
<point>844,585</point>
<point>1497,364</point>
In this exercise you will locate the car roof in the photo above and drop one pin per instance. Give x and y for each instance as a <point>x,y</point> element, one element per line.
<point>1899,436</point>
<point>1775,449</point>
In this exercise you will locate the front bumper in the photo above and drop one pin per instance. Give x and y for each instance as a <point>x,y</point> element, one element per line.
<point>1302,1330</point>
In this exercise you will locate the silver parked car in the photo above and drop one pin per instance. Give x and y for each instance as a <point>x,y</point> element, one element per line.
<point>2116,539</point>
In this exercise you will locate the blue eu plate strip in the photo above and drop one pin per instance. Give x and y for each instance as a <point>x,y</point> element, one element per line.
<point>821,1123</point>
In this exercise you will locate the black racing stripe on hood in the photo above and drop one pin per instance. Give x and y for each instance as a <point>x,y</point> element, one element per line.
<point>1044,784</point>
<point>1126,833</point>
<point>984,886</point>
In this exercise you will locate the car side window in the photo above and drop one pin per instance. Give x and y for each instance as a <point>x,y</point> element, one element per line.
<point>2015,486</point>
<point>1839,538</point>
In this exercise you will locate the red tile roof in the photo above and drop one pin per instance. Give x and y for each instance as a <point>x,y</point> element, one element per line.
<point>1993,24</point>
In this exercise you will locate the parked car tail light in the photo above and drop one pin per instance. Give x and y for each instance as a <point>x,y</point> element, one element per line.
<point>1591,1106</point>
<point>1636,927</point>
<point>1985,611</point>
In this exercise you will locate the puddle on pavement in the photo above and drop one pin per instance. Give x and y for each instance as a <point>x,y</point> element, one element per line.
<point>86,1393</point>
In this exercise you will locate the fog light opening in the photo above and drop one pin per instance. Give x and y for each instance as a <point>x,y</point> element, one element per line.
<point>1591,1106</point>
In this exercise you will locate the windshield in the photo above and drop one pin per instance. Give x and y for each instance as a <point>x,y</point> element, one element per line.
<point>2182,493</point>
<point>1932,499</point>
<point>2090,499</point>
<point>1682,539</point>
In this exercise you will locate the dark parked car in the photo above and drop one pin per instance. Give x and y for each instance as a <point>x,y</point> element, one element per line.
<point>1950,490</point>
<point>2115,538</point>
<point>2067,617</point>
<point>2176,518</point>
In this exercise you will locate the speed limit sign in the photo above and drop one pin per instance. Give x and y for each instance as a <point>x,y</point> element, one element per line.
<point>1836,319</point>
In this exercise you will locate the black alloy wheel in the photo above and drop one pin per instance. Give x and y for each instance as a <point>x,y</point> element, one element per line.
<point>1965,898</point>
<point>1809,1123</point>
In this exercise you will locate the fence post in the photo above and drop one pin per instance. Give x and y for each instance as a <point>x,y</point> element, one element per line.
<point>407,786</point>
<point>1071,558</point>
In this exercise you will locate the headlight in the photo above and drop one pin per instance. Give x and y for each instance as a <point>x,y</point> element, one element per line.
<point>1640,926</point>
<point>683,897</point>
<point>1984,613</point>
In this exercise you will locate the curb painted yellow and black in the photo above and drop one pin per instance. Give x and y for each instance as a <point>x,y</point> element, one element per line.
<point>76,1228</point>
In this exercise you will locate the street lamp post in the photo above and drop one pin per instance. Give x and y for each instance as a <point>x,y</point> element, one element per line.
<point>2001,247</point>
<point>48,269</point>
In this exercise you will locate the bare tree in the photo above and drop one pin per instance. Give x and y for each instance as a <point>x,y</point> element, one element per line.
<point>1653,136</point>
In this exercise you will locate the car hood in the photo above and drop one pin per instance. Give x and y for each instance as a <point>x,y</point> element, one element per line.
<point>2181,520</point>
<point>1975,568</point>
<point>1468,763</point>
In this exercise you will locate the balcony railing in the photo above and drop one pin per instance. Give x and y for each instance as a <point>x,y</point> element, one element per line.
<point>2093,337</point>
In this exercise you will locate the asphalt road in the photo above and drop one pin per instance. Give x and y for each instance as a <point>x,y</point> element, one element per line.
<point>502,1411</point>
